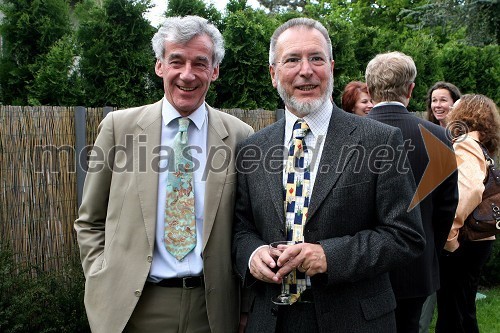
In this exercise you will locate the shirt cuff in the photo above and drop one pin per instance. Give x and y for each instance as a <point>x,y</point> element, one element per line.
<point>253,253</point>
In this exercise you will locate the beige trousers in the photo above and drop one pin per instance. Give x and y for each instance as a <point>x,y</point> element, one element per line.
<point>169,310</point>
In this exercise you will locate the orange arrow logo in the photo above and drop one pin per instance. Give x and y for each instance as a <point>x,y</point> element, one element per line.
<point>442,163</point>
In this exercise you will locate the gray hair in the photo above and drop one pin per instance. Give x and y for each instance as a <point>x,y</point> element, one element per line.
<point>182,29</point>
<point>298,22</point>
<point>389,76</point>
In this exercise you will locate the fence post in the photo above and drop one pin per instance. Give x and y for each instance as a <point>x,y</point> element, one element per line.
<point>280,113</point>
<point>80,150</point>
<point>106,110</point>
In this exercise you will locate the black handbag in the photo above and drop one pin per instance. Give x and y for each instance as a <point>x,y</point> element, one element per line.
<point>484,221</point>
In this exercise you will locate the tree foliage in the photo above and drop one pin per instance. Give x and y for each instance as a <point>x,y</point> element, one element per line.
<point>29,29</point>
<point>105,57</point>
<point>276,6</point>
<point>479,20</point>
<point>58,72</point>
<point>244,75</point>
<point>117,63</point>
<point>193,7</point>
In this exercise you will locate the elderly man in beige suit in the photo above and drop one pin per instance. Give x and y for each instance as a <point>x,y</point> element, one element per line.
<point>133,282</point>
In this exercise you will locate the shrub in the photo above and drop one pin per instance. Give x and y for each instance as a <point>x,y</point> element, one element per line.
<point>39,301</point>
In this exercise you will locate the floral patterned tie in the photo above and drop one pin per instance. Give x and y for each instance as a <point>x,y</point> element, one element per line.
<point>180,225</point>
<point>297,200</point>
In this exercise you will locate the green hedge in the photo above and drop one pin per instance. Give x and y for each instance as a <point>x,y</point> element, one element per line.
<point>35,301</point>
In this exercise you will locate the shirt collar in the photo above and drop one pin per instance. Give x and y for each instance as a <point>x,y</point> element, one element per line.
<point>318,121</point>
<point>389,103</point>
<point>169,113</point>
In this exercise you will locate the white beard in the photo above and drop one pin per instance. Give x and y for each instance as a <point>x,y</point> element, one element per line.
<point>304,108</point>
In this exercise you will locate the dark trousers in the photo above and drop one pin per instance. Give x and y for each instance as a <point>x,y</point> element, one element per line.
<point>408,312</point>
<point>460,272</point>
<point>297,318</point>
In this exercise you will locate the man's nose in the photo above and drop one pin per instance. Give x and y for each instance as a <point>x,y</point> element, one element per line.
<point>187,72</point>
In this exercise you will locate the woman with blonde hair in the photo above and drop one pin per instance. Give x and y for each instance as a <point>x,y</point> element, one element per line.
<point>475,121</point>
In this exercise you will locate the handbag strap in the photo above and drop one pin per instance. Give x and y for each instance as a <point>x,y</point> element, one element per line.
<point>492,172</point>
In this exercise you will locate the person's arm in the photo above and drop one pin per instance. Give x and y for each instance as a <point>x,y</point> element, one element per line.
<point>444,201</point>
<point>397,234</point>
<point>246,238</point>
<point>90,224</point>
<point>471,174</point>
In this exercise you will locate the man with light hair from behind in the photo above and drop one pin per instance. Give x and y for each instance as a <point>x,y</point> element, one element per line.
<point>391,79</point>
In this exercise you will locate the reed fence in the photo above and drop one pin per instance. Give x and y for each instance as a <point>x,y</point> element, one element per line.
<point>38,179</point>
<point>36,195</point>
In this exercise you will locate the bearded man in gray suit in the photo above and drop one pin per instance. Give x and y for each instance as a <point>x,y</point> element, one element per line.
<point>134,283</point>
<point>357,227</point>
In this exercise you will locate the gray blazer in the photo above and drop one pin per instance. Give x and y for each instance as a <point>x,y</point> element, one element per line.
<point>358,213</point>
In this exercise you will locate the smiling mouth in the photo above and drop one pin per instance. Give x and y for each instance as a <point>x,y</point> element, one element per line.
<point>186,88</point>
<point>307,88</point>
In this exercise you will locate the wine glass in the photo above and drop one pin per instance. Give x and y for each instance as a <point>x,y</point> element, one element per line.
<point>275,250</point>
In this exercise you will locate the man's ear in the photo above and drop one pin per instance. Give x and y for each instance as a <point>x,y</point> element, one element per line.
<point>159,68</point>
<point>410,89</point>
<point>272,71</point>
<point>215,74</point>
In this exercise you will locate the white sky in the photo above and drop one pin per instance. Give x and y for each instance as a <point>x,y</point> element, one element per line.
<point>155,15</point>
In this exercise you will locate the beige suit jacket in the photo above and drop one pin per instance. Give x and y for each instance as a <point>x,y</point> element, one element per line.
<point>472,171</point>
<point>117,218</point>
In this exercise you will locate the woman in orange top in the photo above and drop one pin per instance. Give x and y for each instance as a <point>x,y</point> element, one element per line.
<point>474,119</point>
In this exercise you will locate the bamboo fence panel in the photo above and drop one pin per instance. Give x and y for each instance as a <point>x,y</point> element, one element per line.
<point>37,169</point>
<point>94,118</point>
<point>258,119</point>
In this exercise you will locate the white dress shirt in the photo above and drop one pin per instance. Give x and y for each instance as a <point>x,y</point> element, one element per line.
<point>318,122</point>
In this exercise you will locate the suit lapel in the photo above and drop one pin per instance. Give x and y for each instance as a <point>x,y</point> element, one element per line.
<point>341,134</point>
<point>149,135</point>
<point>216,158</point>
<point>273,167</point>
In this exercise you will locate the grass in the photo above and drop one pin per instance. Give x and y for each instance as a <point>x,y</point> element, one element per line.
<point>488,310</point>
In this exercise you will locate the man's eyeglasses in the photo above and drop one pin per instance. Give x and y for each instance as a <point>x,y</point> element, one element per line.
<point>294,62</point>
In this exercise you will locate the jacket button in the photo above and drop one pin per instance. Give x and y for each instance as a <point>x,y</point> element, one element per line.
<point>150,258</point>
<point>274,311</point>
<point>137,293</point>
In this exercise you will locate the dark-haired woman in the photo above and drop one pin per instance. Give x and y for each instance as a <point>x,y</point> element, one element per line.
<point>440,99</point>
